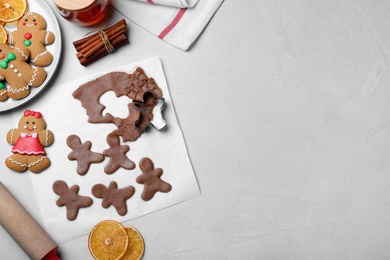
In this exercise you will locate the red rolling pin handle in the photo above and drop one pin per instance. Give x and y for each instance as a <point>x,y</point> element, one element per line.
<point>52,255</point>
<point>21,226</point>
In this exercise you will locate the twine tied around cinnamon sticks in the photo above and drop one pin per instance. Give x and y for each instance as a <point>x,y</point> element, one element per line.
<point>103,35</point>
<point>101,43</point>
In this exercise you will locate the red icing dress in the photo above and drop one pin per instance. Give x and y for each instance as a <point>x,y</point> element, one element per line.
<point>28,144</point>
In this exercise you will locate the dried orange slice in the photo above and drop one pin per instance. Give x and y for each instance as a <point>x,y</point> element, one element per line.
<point>108,240</point>
<point>136,247</point>
<point>12,10</point>
<point>3,34</point>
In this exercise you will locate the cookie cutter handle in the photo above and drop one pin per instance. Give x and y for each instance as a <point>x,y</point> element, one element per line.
<point>21,226</point>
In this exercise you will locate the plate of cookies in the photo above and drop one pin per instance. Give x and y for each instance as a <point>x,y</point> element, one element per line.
<point>30,50</point>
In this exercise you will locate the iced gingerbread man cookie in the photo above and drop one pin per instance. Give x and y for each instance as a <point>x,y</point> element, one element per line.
<point>28,141</point>
<point>31,33</point>
<point>3,92</point>
<point>17,72</point>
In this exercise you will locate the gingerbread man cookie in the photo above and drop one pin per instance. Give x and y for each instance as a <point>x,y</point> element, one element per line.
<point>3,92</point>
<point>17,72</point>
<point>81,152</point>
<point>151,178</point>
<point>111,195</point>
<point>117,154</point>
<point>29,139</point>
<point>70,198</point>
<point>31,33</point>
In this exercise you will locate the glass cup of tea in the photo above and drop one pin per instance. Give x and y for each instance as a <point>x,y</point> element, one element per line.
<point>82,12</point>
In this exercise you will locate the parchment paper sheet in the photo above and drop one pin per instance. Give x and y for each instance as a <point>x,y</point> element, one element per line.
<point>65,116</point>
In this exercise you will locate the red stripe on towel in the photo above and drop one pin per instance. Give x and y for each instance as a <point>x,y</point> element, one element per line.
<point>174,22</point>
<point>150,1</point>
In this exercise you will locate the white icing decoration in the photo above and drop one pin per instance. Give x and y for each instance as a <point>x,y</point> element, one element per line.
<point>21,52</point>
<point>12,136</point>
<point>33,77</point>
<point>18,89</point>
<point>18,163</point>
<point>47,38</point>
<point>34,163</point>
<point>47,137</point>
<point>38,56</point>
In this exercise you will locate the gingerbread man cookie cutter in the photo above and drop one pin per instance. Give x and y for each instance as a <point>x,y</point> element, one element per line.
<point>158,121</point>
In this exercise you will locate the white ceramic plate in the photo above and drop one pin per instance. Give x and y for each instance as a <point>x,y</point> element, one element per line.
<point>41,7</point>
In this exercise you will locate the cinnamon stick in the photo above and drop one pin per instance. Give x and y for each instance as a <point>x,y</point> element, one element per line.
<point>118,41</point>
<point>97,46</point>
<point>104,54</point>
<point>88,50</point>
<point>95,36</point>
<point>88,45</point>
<point>92,48</point>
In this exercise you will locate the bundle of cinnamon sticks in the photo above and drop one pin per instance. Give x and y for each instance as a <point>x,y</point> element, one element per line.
<point>95,46</point>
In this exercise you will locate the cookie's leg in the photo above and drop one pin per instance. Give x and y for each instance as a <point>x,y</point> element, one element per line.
<point>3,94</point>
<point>42,59</point>
<point>37,77</point>
<point>38,163</point>
<point>18,92</point>
<point>17,162</point>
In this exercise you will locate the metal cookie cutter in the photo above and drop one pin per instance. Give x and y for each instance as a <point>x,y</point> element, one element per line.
<point>158,121</point>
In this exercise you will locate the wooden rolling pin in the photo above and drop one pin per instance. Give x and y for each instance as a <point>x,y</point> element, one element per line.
<point>24,229</point>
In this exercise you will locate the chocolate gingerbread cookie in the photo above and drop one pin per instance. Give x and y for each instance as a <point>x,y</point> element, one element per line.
<point>117,154</point>
<point>151,179</point>
<point>70,198</point>
<point>81,152</point>
<point>111,195</point>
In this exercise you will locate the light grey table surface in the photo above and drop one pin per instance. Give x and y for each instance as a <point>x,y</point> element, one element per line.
<point>285,110</point>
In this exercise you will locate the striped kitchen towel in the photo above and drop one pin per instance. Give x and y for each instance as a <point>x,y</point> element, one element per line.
<point>179,27</point>
<point>174,3</point>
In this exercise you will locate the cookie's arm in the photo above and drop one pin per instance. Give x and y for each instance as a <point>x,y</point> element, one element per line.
<point>45,37</point>
<point>13,136</point>
<point>46,137</point>
<point>22,53</point>
<point>49,37</point>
